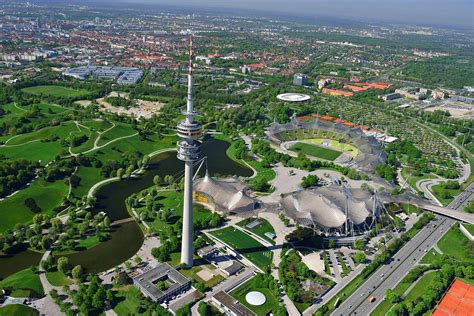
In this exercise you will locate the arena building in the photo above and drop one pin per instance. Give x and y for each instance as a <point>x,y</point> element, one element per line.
<point>226,196</point>
<point>293,97</point>
<point>370,152</point>
<point>334,210</point>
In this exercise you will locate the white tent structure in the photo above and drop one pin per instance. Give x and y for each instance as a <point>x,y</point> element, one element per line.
<point>224,195</point>
<point>333,210</point>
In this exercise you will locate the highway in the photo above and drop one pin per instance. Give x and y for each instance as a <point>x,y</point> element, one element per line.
<point>389,275</point>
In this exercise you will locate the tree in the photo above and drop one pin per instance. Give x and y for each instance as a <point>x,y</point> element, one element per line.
<point>77,273</point>
<point>331,243</point>
<point>391,296</point>
<point>359,257</point>
<point>359,244</point>
<point>120,173</point>
<point>106,222</point>
<point>63,265</point>
<point>157,180</point>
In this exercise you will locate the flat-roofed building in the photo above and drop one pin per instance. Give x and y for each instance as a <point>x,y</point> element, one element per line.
<point>300,80</point>
<point>150,283</point>
<point>229,305</point>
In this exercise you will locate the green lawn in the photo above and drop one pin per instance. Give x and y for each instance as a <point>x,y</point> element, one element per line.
<point>245,245</point>
<point>47,195</point>
<point>469,228</point>
<point>89,176</point>
<point>271,302</point>
<point>267,174</point>
<point>445,200</point>
<point>115,150</point>
<point>385,305</point>
<point>172,200</point>
<point>431,256</point>
<point>412,179</point>
<point>18,310</point>
<point>119,130</point>
<point>98,125</point>
<point>34,151</point>
<point>83,244</point>
<point>316,151</point>
<point>419,289</point>
<point>455,244</point>
<point>52,109</point>
<point>128,301</point>
<point>23,282</point>
<point>261,229</point>
<point>57,278</point>
<point>56,91</point>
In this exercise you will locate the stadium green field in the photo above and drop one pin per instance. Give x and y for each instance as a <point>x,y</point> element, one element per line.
<point>316,151</point>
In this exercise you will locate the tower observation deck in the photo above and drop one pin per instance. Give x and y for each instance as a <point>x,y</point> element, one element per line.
<point>188,151</point>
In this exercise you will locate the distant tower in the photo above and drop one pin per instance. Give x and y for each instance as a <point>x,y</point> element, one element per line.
<point>188,151</point>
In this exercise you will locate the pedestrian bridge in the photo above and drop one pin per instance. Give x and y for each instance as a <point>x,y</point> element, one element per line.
<point>459,215</point>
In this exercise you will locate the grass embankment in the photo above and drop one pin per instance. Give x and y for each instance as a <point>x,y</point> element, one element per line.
<point>56,91</point>
<point>412,179</point>
<point>444,195</point>
<point>171,200</point>
<point>456,245</point>
<point>48,195</point>
<point>119,130</point>
<point>316,151</point>
<point>260,229</point>
<point>128,301</point>
<point>18,310</point>
<point>262,173</point>
<point>57,278</point>
<point>271,301</point>
<point>24,283</point>
<point>245,245</point>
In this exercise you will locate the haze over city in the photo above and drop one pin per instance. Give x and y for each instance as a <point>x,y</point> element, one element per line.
<point>431,12</point>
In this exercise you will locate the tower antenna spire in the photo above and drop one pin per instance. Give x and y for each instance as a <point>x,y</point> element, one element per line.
<point>188,151</point>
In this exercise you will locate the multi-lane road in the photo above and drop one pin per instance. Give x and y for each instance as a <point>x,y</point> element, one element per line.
<point>389,275</point>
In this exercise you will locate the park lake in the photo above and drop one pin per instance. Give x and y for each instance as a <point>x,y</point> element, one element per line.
<point>127,238</point>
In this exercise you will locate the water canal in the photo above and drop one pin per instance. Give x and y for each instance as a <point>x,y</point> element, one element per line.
<point>127,238</point>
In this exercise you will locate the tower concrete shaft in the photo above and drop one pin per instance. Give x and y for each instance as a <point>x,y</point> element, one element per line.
<point>189,152</point>
<point>187,234</point>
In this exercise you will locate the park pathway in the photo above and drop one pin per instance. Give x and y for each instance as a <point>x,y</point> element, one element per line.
<point>46,305</point>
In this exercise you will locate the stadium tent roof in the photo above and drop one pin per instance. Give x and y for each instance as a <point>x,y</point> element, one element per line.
<point>227,195</point>
<point>326,207</point>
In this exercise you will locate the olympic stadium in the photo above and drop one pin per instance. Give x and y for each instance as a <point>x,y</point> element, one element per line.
<point>334,210</point>
<point>356,149</point>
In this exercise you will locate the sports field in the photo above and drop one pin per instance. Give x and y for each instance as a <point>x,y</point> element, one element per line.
<point>245,245</point>
<point>56,91</point>
<point>316,151</point>
<point>335,145</point>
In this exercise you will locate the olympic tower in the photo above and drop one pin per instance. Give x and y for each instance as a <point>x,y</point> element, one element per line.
<point>189,152</point>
